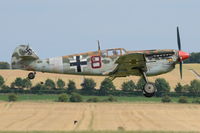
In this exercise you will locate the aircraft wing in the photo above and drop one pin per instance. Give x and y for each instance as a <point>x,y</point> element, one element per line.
<point>130,64</point>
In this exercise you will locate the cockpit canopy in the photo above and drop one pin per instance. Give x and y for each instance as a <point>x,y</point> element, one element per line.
<point>113,52</point>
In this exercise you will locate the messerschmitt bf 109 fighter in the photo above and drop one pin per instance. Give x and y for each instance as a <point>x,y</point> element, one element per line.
<point>114,63</point>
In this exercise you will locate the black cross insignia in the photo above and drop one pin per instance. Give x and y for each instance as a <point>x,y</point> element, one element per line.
<point>78,63</point>
<point>29,51</point>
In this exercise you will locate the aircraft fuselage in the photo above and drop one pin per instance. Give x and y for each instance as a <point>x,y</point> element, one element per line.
<point>94,63</point>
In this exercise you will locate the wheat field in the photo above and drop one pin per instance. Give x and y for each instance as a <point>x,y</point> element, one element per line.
<point>172,77</point>
<point>52,116</point>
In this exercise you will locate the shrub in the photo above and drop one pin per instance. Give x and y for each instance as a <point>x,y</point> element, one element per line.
<point>88,84</point>
<point>4,65</point>
<point>94,99</point>
<point>63,98</point>
<point>18,83</point>
<point>183,99</point>
<point>5,87</point>
<point>162,86</point>
<point>75,98</point>
<point>120,128</point>
<point>71,87</point>
<point>38,87</point>
<point>140,84</point>
<point>128,86</point>
<point>194,87</point>
<point>1,81</point>
<point>12,97</point>
<point>106,86</point>
<point>60,84</point>
<point>179,88</point>
<point>186,88</point>
<point>166,99</point>
<point>196,100</point>
<point>49,84</point>
<point>26,83</point>
<point>21,83</point>
<point>110,99</point>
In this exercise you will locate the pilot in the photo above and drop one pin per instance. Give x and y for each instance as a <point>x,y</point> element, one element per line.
<point>115,52</point>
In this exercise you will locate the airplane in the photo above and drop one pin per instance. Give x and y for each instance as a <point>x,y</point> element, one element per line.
<point>114,63</point>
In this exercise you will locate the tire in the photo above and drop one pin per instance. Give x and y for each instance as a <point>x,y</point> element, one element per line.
<point>31,75</point>
<point>149,90</point>
<point>148,94</point>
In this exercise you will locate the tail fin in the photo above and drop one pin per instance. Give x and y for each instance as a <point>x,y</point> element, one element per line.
<point>22,56</point>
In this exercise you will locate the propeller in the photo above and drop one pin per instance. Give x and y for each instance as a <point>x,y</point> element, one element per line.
<point>178,39</point>
<point>99,48</point>
<point>179,48</point>
<point>98,45</point>
<point>181,55</point>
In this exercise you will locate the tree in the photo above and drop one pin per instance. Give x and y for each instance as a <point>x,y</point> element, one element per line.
<point>4,65</point>
<point>162,86</point>
<point>5,87</point>
<point>128,86</point>
<point>194,58</point>
<point>38,87</point>
<point>71,86</point>
<point>63,98</point>
<point>60,84</point>
<point>179,88</point>
<point>26,83</point>
<point>186,88</point>
<point>106,86</point>
<point>18,83</point>
<point>1,81</point>
<point>21,83</point>
<point>194,87</point>
<point>140,84</point>
<point>182,88</point>
<point>75,98</point>
<point>12,98</point>
<point>88,84</point>
<point>49,84</point>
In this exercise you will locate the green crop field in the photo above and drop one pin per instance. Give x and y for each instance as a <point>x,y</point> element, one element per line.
<point>54,97</point>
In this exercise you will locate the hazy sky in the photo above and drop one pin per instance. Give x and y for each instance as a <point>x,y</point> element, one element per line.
<point>62,27</point>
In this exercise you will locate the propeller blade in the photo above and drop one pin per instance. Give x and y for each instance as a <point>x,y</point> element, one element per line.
<point>99,48</point>
<point>181,69</point>
<point>178,39</point>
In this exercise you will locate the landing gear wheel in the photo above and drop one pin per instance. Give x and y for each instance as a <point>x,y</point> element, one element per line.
<point>149,90</point>
<point>31,75</point>
<point>148,94</point>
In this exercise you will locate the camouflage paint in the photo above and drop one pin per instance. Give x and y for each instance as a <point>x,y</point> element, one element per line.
<point>157,62</point>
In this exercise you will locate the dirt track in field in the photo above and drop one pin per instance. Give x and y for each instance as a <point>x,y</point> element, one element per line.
<point>51,116</point>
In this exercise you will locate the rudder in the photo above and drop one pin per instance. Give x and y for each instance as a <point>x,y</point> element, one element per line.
<point>22,56</point>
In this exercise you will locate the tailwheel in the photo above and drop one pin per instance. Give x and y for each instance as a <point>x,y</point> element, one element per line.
<point>31,75</point>
<point>149,89</point>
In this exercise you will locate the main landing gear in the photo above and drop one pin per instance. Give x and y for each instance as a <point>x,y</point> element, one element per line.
<point>149,88</point>
<point>31,75</point>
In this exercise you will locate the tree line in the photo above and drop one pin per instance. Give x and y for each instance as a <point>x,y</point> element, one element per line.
<point>88,87</point>
<point>194,58</point>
